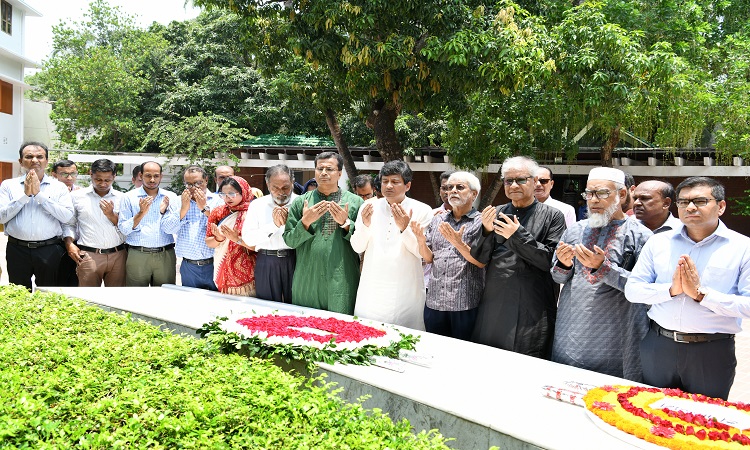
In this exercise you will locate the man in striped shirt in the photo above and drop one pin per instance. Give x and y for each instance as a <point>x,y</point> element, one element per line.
<point>92,238</point>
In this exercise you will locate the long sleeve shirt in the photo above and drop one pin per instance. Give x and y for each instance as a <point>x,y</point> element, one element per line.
<point>155,229</point>
<point>89,226</point>
<point>191,235</point>
<point>723,262</point>
<point>35,218</point>
<point>259,231</point>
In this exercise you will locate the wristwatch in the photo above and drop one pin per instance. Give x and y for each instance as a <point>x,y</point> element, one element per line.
<point>701,293</point>
<point>346,224</point>
<point>206,209</point>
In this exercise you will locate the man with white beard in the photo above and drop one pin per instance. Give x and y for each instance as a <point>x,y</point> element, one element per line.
<point>597,328</point>
<point>263,232</point>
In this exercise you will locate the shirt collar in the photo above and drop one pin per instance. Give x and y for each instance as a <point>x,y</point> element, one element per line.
<point>720,231</point>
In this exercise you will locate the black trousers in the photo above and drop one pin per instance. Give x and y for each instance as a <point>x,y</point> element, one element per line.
<point>273,277</point>
<point>66,275</point>
<point>700,368</point>
<point>42,262</point>
<point>455,324</point>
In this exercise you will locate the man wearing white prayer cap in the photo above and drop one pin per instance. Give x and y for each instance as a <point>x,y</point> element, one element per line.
<point>597,328</point>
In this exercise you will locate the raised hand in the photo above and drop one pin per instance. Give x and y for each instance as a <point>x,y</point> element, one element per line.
<point>199,195</point>
<point>504,226</point>
<point>691,279</point>
<point>107,206</point>
<point>31,184</point>
<point>230,233</point>
<point>145,203</point>
<point>185,199</point>
<point>164,205</point>
<point>216,231</point>
<point>592,259</point>
<point>340,214</point>
<point>400,216</point>
<point>416,228</point>
<point>280,214</point>
<point>455,237</point>
<point>313,213</point>
<point>488,218</point>
<point>367,214</point>
<point>565,254</point>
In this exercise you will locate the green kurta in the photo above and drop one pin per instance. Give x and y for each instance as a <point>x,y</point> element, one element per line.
<point>327,271</point>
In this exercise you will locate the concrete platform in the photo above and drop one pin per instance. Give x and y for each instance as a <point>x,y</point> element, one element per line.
<point>479,395</point>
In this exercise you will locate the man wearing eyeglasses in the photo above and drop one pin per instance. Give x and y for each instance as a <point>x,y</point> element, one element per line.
<point>697,281</point>
<point>363,187</point>
<point>518,306</point>
<point>66,172</point>
<point>542,189</point>
<point>196,203</point>
<point>597,328</point>
<point>319,227</point>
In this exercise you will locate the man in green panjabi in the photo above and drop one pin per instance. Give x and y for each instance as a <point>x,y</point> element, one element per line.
<point>319,226</point>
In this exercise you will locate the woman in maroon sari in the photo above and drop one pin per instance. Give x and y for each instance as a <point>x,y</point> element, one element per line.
<point>234,263</point>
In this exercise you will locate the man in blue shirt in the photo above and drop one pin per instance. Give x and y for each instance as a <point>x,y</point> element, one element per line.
<point>697,281</point>
<point>148,224</point>
<point>196,203</point>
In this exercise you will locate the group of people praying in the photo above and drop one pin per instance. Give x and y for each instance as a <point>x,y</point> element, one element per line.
<point>630,291</point>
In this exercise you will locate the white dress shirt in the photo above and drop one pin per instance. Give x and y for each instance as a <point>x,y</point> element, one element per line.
<point>568,211</point>
<point>258,230</point>
<point>37,218</point>
<point>723,262</point>
<point>89,226</point>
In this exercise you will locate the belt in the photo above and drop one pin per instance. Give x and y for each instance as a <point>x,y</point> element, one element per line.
<point>151,249</point>
<point>34,244</point>
<point>688,338</point>
<point>103,251</point>
<point>199,262</point>
<point>281,253</point>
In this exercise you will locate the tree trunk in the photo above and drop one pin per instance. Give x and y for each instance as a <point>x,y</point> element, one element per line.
<point>340,141</point>
<point>382,121</point>
<point>609,146</point>
<point>491,191</point>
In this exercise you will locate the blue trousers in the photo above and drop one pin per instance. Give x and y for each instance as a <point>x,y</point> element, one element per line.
<point>201,277</point>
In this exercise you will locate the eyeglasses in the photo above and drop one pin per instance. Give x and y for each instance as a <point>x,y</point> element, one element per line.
<point>699,202</point>
<point>326,169</point>
<point>600,194</point>
<point>67,175</point>
<point>519,181</point>
<point>458,187</point>
<point>544,180</point>
<point>228,194</point>
<point>196,184</point>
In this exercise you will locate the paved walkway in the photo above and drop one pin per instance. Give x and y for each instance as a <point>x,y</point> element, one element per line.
<point>740,389</point>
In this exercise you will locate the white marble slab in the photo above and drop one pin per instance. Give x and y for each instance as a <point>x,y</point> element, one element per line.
<point>478,394</point>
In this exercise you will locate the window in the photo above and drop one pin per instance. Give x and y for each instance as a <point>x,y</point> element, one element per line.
<point>6,97</point>
<point>6,17</point>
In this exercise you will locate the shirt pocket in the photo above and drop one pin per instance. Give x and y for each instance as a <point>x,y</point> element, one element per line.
<point>720,278</point>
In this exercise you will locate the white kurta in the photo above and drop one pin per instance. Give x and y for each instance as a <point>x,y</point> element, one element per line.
<point>391,288</point>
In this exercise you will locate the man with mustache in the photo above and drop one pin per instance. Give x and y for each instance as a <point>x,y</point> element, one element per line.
<point>33,208</point>
<point>457,279</point>
<point>391,288</point>
<point>597,328</point>
<point>319,227</point>
<point>196,203</point>
<point>518,307</point>
<point>263,232</point>
<point>697,281</point>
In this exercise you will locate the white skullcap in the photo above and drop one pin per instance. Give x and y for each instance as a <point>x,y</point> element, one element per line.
<point>607,173</point>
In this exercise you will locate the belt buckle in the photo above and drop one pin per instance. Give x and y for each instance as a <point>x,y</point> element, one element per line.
<point>282,253</point>
<point>674,337</point>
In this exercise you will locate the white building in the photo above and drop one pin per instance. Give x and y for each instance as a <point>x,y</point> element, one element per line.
<point>13,14</point>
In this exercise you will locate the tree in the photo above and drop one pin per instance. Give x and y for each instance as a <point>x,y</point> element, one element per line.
<point>95,78</point>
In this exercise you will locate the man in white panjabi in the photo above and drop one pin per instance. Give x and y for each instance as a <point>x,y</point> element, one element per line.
<point>391,288</point>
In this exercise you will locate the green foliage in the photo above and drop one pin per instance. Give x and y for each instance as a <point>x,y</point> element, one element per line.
<point>74,376</point>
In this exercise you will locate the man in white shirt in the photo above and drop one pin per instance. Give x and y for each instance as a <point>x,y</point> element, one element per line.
<point>391,288</point>
<point>33,208</point>
<point>263,231</point>
<point>651,202</point>
<point>542,189</point>
<point>697,281</point>
<point>91,236</point>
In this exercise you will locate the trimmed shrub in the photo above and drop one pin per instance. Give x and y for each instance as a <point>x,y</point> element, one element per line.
<point>75,376</point>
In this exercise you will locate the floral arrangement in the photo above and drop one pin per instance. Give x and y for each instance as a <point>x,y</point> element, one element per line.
<point>307,338</point>
<point>635,410</point>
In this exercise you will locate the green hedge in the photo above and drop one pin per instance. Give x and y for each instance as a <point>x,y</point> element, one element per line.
<point>72,375</point>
